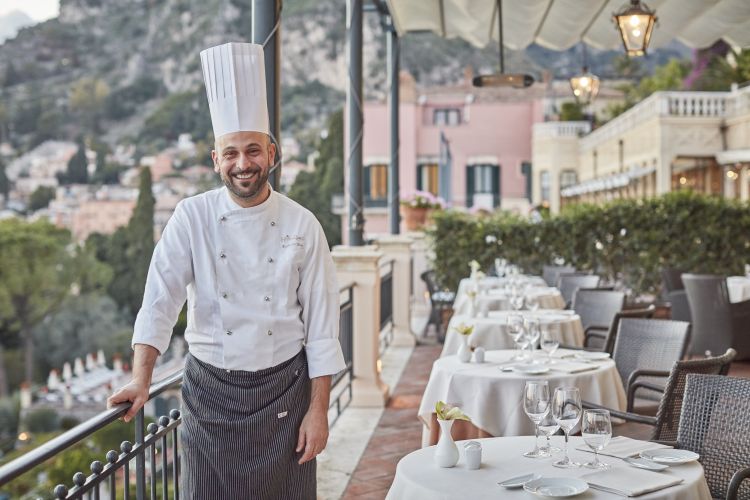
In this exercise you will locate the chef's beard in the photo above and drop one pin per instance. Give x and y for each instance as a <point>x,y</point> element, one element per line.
<point>246,189</point>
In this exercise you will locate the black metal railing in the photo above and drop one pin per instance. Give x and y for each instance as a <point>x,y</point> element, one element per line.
<point>386,305</point>
<point>101,473</point>
<point>341,384</point>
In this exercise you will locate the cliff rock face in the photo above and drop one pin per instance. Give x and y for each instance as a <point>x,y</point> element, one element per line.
<point>125,43</point>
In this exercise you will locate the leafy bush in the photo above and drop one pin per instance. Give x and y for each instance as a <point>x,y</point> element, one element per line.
<point>43,420</point>
<point>626,241</point>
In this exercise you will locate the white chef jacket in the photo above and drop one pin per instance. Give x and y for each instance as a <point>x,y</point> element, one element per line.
<point>260,284</point>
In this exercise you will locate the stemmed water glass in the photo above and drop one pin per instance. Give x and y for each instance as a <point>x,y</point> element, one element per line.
<point>532,303</point>
<point>596,429</point>
<point>549,341</point>
<point>566,408</point>
<point>500,267</point>
<point>515,329</point>
<point>532,335</point>
<point>536,406</point>
<point>516,299</point>
<point>549,426</point>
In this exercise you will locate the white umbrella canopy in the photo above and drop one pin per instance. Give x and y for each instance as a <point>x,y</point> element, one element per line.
<point>560,24</point>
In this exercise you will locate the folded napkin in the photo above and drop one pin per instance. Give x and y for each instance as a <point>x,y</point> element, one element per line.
<point>573,367</point>
<point>629,481</point>
<point>621,447</point>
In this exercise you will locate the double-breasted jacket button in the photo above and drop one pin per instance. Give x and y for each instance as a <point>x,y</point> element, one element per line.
<point>229,332</point>
<point>270,332</point>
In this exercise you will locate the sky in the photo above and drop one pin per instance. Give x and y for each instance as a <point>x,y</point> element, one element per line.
<point>39,10</point>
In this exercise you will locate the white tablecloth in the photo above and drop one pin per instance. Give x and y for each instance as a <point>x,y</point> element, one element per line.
<point>739,288</point>
<point>493,398</point>
<point>491,282</point>
<point>490,333</point>
<point>417,475</point>
<point>499,300</point>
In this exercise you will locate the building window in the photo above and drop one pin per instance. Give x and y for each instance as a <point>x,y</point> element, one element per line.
<point>544,185</point>
<point>427,178</point>
<point>483,186</point>
<point>375,185</point>
<point>448,116</point>
<point>526,172</point>
<point>568,178</point>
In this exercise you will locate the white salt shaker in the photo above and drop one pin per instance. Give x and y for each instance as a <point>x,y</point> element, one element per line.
<point>473,454</point>
<point>479,354</point>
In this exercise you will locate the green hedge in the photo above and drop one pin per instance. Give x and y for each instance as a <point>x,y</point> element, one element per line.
<point>625,241</point>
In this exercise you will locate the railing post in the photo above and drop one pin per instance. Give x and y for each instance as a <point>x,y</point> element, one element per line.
<point>360,265</point>
<point>140,458</point>
<point>398,248</point>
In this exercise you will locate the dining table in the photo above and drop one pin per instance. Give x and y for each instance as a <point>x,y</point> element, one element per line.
<point>491,393</point>
<point>418,476</point>
<point>490,332</point>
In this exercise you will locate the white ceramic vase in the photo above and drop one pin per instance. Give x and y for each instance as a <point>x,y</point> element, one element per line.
<point>464,353</point>
<point>446,451</point>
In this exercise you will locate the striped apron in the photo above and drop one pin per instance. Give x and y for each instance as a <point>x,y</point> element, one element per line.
<point>239,432</point>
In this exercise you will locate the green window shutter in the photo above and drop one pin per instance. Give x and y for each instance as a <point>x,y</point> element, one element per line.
<point>419,178</point>
<point>469,186</point>
<point>496,186</point>
<point>366,183</point>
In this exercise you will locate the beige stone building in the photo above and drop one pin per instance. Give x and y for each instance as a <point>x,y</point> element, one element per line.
<point>667,142</point>
<point>100,216</point>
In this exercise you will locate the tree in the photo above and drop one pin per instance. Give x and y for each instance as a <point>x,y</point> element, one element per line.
<point>4,181</point>
<point>141,239</point>
<point>41,197</point>
<point>78,165</point>
<point>87,98</point>
<point>572,111</point>
<point>38,272</point>
<point>314,190</point>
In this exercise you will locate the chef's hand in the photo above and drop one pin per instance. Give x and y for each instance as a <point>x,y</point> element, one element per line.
<point>313,434</point>
<point>134,392</point>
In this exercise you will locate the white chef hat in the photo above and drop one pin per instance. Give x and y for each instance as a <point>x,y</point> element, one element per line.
<point>235,78</point>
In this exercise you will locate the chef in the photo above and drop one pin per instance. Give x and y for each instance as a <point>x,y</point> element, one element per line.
<point>263,309</point>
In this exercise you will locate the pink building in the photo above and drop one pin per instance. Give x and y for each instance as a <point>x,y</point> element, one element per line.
<point>486,131</point>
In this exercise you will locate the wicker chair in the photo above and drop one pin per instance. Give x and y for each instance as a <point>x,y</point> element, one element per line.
<point>604,340</point>
<point>714,424</point>
<point>717,323</point>
<point>440,300</point>
<point>551,273</point>
<point>645,350</point>
<point>663,427</point>
<point>568,283</point>
<point>597,309</point>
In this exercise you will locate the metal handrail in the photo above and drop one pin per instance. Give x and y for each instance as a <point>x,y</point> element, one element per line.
<point>38,455</point>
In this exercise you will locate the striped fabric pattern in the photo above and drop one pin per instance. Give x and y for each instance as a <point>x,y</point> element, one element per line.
<point>240,429</point>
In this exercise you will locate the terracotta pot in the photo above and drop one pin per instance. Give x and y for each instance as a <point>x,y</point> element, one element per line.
<point>414,218</point>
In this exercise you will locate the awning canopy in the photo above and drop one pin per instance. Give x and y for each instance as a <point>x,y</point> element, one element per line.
<point>613,181</point>
<point>560,24</point>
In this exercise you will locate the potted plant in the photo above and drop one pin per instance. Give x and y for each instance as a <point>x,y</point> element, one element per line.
<point>416,209</point>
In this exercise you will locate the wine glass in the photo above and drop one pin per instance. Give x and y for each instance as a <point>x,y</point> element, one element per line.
<point>514,324</point>
<point>500,267</point>
<point>516,299</point>
<point>532,303</point>
<point>536,406</point>
<point>549,426</point>
<point>566,408</point>
<point>532,335</point>
<point>549,340</point>
<point>596,429</point>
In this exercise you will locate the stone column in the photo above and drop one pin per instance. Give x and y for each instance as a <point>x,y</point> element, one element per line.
<point>360,265</point>
<point>398,248</point>
<point>420,300</point>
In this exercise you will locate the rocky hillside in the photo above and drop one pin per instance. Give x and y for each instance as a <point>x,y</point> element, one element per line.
<point>131,69</point>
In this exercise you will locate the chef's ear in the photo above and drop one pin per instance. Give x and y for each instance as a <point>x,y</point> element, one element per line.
<point>215,158</point>
<point>271,152</point>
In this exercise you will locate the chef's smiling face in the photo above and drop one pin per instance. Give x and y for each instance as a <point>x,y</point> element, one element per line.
<point>244,159</point>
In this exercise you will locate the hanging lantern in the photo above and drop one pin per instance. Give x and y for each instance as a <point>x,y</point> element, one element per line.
<point>585,86</point>
<point>635,22</point>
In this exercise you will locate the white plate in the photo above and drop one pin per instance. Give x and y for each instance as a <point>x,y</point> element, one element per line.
<point>517,482</point>
<point>592,355</point>
<point>556,487</point>
<point>642,463</point>
<point>531,369</point>
<point>670,456</point>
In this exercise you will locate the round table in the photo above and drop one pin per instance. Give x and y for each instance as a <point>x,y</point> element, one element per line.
<point>490,332</point>
<point>499,300</point>
<point>490,282</point>
<point>417,475</point>
<point>493,398</point>
<point>738,288</point>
